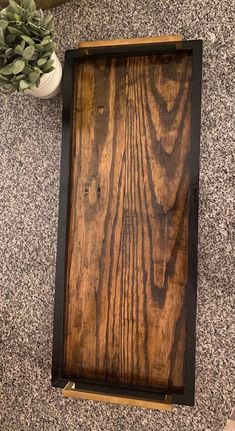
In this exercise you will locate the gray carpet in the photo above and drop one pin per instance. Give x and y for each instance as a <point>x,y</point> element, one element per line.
<point>30,140</point>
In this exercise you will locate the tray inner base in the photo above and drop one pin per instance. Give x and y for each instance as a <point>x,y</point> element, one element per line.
<point>127,252</point>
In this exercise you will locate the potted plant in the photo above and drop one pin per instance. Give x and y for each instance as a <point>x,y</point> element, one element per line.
<point>44,4</point>
<point>28,62</point>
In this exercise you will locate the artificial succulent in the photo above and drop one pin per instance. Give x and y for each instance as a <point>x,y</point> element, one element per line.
<point>26,45</point>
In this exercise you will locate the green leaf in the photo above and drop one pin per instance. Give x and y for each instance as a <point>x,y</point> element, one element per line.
<point>10,16</point>
<point>41,61</point>
<point>36,15</point>
<point>36,69</point>
<point>45,32</point>
<point>35,20</point>
<point>34,77</point>
<point>51,27</point>
<point>34,27</point>
<point>26,4</point>
<point>18,66</point>
<point>23,85</point>
<point>3,24</point>
<point>13,79</point>
<point>27,69</point>
<point>48,65</point>
<point>32,87</point>
<point>2,38</point>
<point>50,70</point>
<point>19,77</point>
<point>17,17</point>
<point>16,7</point>
<point>38,47</point>
<point>36,35</point>
<point>46,54</point>
<point>9,52</point>
<point>24,29</point>
<point>14,31</point>
<point>28,40</point>
<point>3,60</point>
<point>7,70</point>
<point>3,78</point>
<point>29,4</point>
<point>28,52</point>
<point>49,47</point>
<point>41,14</point>
<point>19,50</point>
<point>47,20</point>
<point>8,87</point>
<point>22,44</point>
<point>46,40</point>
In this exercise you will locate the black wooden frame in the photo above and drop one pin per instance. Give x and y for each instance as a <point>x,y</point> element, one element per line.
<point>58,378</point>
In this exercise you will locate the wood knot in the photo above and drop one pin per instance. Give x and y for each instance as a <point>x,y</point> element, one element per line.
<point>92,191</point>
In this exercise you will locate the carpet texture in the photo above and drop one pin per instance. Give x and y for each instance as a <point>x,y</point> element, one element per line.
<point>30,140</point>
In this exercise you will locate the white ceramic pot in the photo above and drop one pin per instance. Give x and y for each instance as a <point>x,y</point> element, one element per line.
<point>50,83</point>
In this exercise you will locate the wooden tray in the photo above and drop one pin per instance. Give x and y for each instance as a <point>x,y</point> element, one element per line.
<point>127,244</point>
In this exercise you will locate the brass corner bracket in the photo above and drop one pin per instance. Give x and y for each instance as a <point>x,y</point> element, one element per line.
<point>71,391</point>
<point>90,45</point>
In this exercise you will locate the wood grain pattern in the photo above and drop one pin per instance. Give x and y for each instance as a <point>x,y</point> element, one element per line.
<point>128,240</point>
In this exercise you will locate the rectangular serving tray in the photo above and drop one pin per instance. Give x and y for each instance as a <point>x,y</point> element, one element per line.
<point>125,300</point>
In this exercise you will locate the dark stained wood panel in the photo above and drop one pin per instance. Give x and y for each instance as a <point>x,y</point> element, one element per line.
<point>128,229</point>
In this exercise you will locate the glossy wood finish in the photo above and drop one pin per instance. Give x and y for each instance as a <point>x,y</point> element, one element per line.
<point>128,244</point>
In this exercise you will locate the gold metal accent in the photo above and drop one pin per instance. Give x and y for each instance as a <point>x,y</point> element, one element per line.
<point>130,42</point>
<point>71,391</point>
